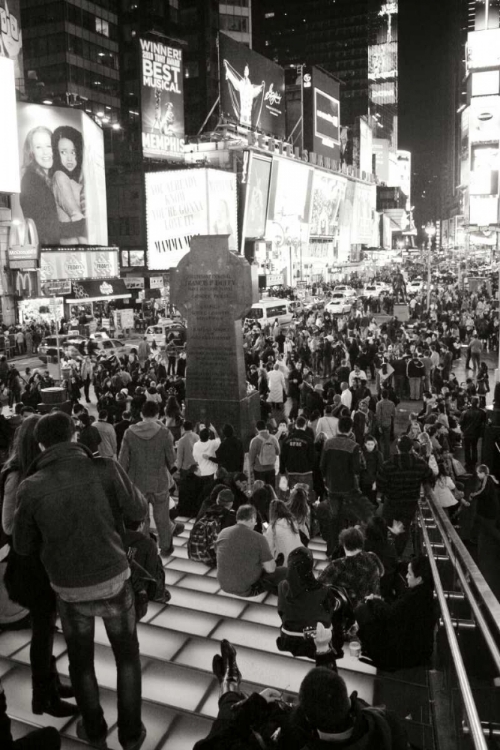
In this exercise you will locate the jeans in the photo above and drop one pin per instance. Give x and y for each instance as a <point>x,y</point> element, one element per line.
<point>476,361</point>
<point>294,409</point>
<point>385,440</point>
<point>164,526</point>
<point>77,620</point>
<point>470,451</point>
<point>415,384</point>
<point>86,388</point>
<point>269,477</point>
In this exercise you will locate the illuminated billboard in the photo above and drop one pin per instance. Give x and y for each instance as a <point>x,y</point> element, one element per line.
<point>252,88</point>
<point>483,210</point>
<point>484,124</point>
<point>465,148</point>
<point>9,162</point>
<point>162,100</point>
<point>257,191</point>
<point>11,41</point>
<point>365,146</point>
<point>404,170</point>
<point>74,263</point>
<point>63,186</point>
<point>321,94</point>
<point>483,49</point>
<point>185,202</point>
<point>484,170</point>
<point>328,193</point>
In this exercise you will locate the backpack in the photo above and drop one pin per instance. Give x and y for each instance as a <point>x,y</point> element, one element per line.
<point>268,452</point>
<point>147,587</point>
<point>201,543</point>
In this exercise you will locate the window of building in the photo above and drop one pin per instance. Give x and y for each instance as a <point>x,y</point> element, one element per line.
<point>101,26</point>
<point>234,23</point>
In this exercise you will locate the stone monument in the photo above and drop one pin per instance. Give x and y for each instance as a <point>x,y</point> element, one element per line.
<point>214,289</point>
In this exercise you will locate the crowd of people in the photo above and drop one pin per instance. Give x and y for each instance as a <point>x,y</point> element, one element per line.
<point>329,458</point>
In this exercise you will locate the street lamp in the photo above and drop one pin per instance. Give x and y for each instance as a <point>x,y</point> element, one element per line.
<point>430,231</point>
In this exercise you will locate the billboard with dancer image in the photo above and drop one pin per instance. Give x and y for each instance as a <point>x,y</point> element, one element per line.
<point>252,88</point>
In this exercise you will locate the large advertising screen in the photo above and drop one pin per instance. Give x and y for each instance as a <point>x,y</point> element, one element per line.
<point>483,49</point>
<point>257,192</point>
<point>252,88</point>
<point>162,100</point>
<point>9,162</point>
<point>321,113</point>
<point>484,170</point>
<point>483,210</point>
<point>404,171</point>
<point>328,193</point>
<point>365,147</point>
<point>90,263</point>
<point>11,41</point>
<point>465,148</point>
<point>485,119</point>
<point>363,211</point>
<point>63,186</point>
<point>185,202</point>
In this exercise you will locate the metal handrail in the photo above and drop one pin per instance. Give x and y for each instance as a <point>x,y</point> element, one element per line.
<point>473,719</point>
<point>448,533</point>
<point>450,537</point>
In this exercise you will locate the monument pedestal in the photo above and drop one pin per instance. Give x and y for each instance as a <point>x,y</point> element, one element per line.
<point>401,312</point>
<point>241,414</point>
<point>214,288</point>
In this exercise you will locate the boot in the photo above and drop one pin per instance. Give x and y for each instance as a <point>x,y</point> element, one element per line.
<point>46,700</point>
<point>231,674</point>
<point>64,691</point>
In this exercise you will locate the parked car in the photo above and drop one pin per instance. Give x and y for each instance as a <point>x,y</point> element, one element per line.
<point>339,304</point>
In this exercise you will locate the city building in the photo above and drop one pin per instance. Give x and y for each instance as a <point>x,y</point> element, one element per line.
<point>235,20</point>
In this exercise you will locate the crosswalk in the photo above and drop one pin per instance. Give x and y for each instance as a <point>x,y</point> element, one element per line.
<point>177,643</point>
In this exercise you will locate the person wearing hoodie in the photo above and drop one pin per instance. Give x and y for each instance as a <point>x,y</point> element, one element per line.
<point>147,455</point>
<point>263,452</point>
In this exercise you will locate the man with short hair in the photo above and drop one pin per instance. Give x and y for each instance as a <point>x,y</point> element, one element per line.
<point>298,456</point>
<point>68,510</point>
<point>400,481</point>
<point>147,455</point>
<point>120,429</point>
<point>340,466</point>
<point>108,444</point>
<point>263,452</point>
<point>472,422</point>
<point>386,413</point>
<point>245,564</point>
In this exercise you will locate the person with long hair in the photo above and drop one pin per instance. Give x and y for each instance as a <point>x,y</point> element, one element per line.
<point>28,584</point>
<point>67,184</point>
<point>37,198</point>
<point>301,512</point>
<point>303,602</point>
<point>282,534</point>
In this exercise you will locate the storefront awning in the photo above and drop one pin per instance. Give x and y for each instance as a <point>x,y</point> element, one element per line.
<point>98,290</point>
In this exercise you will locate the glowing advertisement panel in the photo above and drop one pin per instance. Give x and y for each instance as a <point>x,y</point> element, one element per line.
<point>63,185</point>
<point>9,162</point>
<point>257,193</point>
<point>484,122</point>
<point>328,193</point>
<point>483,210</point>
<point>183,203</point>
<point>252,88</point>
<point>90,263</point>
<point>404,170</point>
<point>363,209</point>
<point>365,147</point>
<point>483,49</point>
<point>11,39</point>
<point>162,100</point>
<point>290,198</point>
<point>484,170</point>
<point>465,148</point>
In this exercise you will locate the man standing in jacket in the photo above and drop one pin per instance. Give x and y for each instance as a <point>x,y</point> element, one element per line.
<point>107,446</point>
<point>147,455</point>
<point>400,481</point>
<point>68,510</point>
<point>386,414</point>
<point>415,372</point>
<point>298,455</point>
<point>472,423</point>
<point>263,452</point>
<point>294,383</point>
<point>340,466</point>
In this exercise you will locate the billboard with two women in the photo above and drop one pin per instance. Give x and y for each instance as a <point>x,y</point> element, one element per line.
<point>63,187</point>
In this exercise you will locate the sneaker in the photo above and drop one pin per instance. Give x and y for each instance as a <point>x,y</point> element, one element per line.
<point>81,733</point>
<point>135,744</point>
